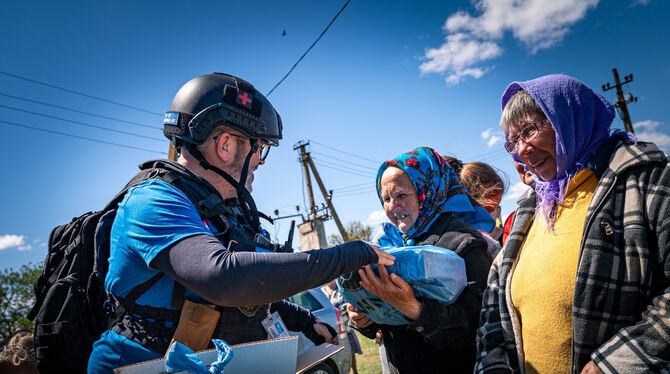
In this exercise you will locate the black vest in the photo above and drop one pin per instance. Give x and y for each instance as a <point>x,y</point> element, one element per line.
<point>147,325</point>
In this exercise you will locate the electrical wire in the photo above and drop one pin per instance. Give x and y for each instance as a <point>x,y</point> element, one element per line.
<point>353,186</point>
<point>80,137</point>
<point>345,162</point>
<point>80,93</point>
<point>81,123</point>
<point>356,194</point>
<point>348,167</point>
<point>357,157</point>
<point>344,170</point>
<point>80,111</point>
<point>308,49</point>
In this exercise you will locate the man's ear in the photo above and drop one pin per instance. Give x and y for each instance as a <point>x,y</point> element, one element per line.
<point>222,146</point>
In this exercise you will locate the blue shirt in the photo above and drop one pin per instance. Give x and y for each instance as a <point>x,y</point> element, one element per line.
<point>151,217</point>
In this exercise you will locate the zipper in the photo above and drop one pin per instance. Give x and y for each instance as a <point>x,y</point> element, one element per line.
<point>581,247</point>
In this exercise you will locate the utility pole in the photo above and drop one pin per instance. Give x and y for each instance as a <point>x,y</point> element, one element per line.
<point>621,100</point>
<point>307,165</point>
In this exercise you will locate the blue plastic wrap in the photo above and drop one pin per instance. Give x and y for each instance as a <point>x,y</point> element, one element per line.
<point>432,272</point>
<point>182,358</point>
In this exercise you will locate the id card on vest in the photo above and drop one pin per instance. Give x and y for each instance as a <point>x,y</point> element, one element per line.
<point>275,327</point>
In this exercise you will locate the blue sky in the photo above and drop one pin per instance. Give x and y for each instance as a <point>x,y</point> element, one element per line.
<point>387,77</point>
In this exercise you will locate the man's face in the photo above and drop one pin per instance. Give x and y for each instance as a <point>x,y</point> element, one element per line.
<point>242,148</point>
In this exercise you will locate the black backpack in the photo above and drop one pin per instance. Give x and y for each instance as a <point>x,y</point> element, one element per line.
<point>70,310</point>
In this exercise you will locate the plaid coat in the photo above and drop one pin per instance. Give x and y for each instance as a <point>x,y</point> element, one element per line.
<point>621,305</point>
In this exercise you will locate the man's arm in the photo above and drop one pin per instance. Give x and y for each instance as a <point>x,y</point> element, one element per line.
<point>297,318</point>
<point>226,278</point>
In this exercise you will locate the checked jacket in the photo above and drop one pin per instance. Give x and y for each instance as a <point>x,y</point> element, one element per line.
<point>621,304</point>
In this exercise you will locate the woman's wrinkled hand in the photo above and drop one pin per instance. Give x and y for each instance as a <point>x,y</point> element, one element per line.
<point>392,289</point>
<point>378,337</point>
<point>359,319</point>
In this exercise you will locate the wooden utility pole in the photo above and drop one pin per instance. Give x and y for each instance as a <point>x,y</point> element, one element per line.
<point>307,165</point>
<point>621,100</point>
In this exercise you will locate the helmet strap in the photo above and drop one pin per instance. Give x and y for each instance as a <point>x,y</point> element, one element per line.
<point>247,203</point>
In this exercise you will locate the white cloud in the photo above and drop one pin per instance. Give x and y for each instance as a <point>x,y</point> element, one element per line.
<point>646,131</point>
<point>515,191</point>
<point>488,136</point>
<point>10,241</point>
<point>640,2</point>
<point>458,55</point>
<point>493,140</point>
<point>471,40</point>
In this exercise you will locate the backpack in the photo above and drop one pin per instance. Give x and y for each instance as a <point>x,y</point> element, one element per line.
<point>70,310</point>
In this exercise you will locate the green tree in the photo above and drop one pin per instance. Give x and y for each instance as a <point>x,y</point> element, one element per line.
<point>355,231</point>
<point>17,297</point>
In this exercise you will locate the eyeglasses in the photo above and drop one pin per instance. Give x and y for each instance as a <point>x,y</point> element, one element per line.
<point>527,134</point>
<point>262,147</point>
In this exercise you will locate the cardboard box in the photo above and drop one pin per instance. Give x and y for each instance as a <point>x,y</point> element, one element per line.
<point>277,356</point>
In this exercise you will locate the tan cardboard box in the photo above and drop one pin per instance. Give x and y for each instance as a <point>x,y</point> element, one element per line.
<point>277,356</point>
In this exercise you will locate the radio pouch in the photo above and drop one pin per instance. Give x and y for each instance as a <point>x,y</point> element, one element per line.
<point>196,325</point>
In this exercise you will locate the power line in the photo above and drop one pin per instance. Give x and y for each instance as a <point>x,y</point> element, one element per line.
<point>356,194</point>
<point>308,49</point>
<point>348,167</point>
<point>80,93</point>
<point>80,137</point>
<point>80,111</point>
<point>351,172</point>
<point>376,162</point>
<point>81,123</point>
<point>353,186</point>
<point>361,189</point>
<point>347,163</point>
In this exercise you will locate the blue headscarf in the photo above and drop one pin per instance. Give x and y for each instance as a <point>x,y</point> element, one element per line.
<point>581,118</point>
<point>439,191</point>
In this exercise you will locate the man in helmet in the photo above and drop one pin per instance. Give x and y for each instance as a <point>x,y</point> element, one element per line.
<point>195,221</point>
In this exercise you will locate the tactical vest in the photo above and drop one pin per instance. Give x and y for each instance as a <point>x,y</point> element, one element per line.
<point>154,327</point>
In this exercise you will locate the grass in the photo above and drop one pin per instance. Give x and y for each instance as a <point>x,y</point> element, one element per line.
<point>368,362</point>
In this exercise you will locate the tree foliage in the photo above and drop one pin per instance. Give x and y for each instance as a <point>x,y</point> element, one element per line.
<point>17,297</point>
<point>355,231</point>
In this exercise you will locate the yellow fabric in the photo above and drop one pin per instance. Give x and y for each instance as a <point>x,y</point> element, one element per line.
<point>542,285</point>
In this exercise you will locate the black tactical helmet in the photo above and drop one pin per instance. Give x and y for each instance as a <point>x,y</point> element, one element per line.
<point>217,99</point>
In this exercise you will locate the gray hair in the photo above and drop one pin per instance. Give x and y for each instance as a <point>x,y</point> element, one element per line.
<point>519,107</point>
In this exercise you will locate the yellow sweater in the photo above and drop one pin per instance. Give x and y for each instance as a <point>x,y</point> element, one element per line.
<point>543,281</point>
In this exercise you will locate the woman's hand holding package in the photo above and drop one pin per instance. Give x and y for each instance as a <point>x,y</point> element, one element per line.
<point>392,289</point>
<point>359,319</point>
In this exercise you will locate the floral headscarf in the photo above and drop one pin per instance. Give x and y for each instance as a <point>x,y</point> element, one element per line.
<point>439,191</point>
<point>581,118</point>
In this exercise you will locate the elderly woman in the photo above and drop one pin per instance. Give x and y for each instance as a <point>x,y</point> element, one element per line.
<point>423,198</point>
<point>583,282</point>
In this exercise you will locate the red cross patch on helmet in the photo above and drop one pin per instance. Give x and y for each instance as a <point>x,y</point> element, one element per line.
<point>243,98</point>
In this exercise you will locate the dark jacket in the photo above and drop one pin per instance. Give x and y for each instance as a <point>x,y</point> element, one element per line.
<point>621,304</point>
<point>442,340</point>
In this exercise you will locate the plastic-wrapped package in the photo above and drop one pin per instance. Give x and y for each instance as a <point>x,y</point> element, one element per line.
<point>433,272</point>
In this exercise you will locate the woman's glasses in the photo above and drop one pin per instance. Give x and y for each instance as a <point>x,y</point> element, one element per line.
<point>527,134</point>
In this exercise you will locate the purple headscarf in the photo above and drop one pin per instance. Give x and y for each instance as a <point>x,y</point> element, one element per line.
<point>581,118</point>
